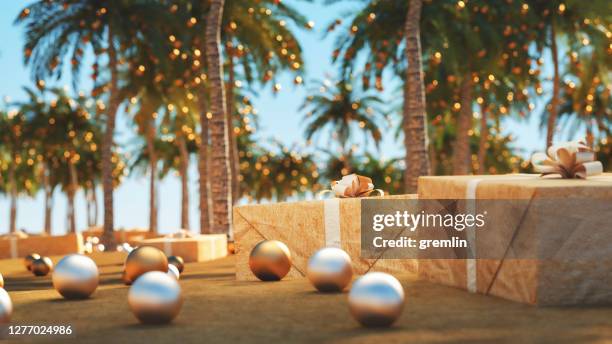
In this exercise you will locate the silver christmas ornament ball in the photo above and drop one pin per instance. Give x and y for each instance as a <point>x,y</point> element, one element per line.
<point>376,299</point>
<point>178,262</point>
<point>75,276</point>
<point>173,271</point>
<point>6,307</point>
<point>155,298</point>
<point>42,266</point>
<point>330,270</point>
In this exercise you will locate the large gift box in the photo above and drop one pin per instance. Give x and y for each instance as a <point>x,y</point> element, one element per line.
<point>16,247</point>
<point>198,248</point>
<point>306,227</point>
<point>572,241</point>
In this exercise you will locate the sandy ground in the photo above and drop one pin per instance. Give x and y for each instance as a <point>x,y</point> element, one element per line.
<point>218,309</point>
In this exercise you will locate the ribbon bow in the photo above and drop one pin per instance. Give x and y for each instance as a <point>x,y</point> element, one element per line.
<point>353,185</point>
<point>569,159</point>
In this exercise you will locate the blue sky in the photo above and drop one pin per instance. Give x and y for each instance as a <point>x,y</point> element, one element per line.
<point>280,118</point>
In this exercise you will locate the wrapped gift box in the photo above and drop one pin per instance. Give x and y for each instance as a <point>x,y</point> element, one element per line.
<point>15,247</point>
<point>199,248</point>
<point>578,240</point>
<point>130,236</point>
<point>306,227</point>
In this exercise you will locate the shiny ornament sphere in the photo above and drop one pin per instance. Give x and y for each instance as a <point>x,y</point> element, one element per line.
<point>144,259</point>
<point>330,270</point>
<point>376,299</point>
<point>1,281</point>
<point>6,307</point>
<point>270,260</point>
<point>75,276</point>
<point>41,266</point>
<point>29,259</point>
<point>173,271</point>
<point>155,298</point>
<point>178,262</point>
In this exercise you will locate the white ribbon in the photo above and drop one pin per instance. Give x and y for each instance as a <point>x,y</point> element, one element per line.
<point>470,196</point>
<point>569,160</point>
<point>13,242</point>
<point>331,216</point>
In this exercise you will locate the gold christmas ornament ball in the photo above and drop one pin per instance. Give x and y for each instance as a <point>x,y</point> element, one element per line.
<point>144,259</point>
<point>270,260</point>
<point>178,262</point>
<point>155,298</point>
<point>330,270</point>
<point>173,271</point>
<point>40,267</point>
<point>6,307</point>
<point>1,281</point>
<point>376,299</point>
<point>76,276</point>
<point>29,259</point>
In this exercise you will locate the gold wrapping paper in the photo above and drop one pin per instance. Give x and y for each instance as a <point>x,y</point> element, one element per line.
<point>302,227</point>
<point>199,248</point>
<point>12,247</point>
<point>581,280</point>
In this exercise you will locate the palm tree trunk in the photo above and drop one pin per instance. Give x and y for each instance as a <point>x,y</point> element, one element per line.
<point>89,206</point>
<point>554,102</point>
<point>183,171</point>
<point>72,189</point>
<point>415,117</point>
<point>464,124</point>
<point>220,171</point>
<point>234,158</point>
<point>203,164</point>
<point>108,238</point>
<point>590,136</point>
<point>484,138</point>
<point>150,138</point>
<point>13,193</point>
<point>48,194</point>
<point>94,200</point>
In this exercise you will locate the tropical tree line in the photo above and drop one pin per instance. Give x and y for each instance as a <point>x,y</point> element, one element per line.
<point>184,72</point>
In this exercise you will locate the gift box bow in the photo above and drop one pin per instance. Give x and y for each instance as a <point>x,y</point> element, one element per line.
<point>569,160</point>
<point>353,185</point>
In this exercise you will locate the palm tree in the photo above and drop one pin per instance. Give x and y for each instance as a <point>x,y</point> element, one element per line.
<point>277,173</point>
<point>55,29</point>
<point>18,161</point>
<point>220,169</point>
<point>37,128</point>
<point>261,44</point>
<point>574,21</point>
<point>415,118</point>
<point>341,110</point>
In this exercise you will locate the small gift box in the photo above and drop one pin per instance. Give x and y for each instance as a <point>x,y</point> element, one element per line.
<point>197,248</point>
<point>308,226</point>
<point>13,246</point>
<point>572,239</point>
<point>129,236</point>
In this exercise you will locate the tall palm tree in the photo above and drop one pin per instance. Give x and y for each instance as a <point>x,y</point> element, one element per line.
<point>261,45</point>
<point>19,175</point>
<point>220,169</point>
<point>37,128</point>
<point>415,118</point>
<point>57,29</point>
<point>340,109</point>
